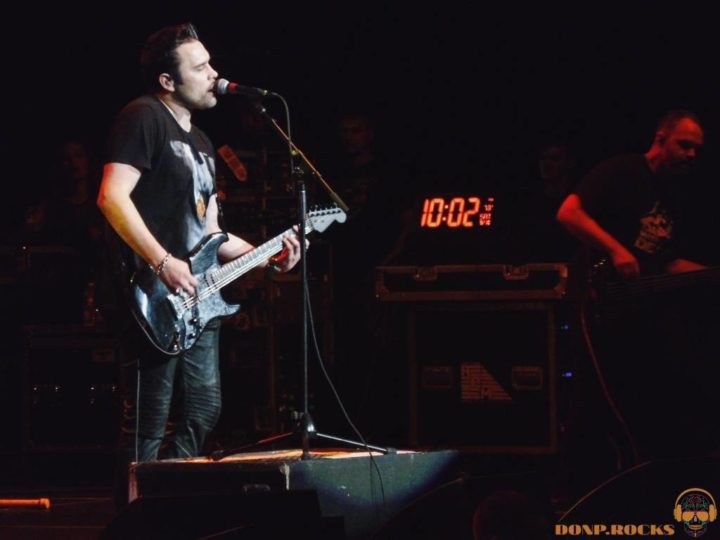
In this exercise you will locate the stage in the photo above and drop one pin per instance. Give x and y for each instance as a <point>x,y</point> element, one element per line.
<point>326,494</point>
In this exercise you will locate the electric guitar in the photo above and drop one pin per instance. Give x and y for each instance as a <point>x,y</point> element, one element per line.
<point>174,322</point>
<point>612,293</point>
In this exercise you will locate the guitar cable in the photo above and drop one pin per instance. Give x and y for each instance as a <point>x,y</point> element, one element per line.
<point>311,320</point>
<point>603,385</point>
<point>137,411</point>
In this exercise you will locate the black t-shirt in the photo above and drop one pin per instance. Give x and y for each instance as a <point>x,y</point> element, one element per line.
<point>178,172</point>
<point>642,210</point>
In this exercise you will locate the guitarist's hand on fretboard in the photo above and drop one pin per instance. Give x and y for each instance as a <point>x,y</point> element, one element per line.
<point>290,255</point>
<point>177,277</point>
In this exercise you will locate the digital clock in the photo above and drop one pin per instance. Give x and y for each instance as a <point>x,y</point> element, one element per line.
<point>467,212</point>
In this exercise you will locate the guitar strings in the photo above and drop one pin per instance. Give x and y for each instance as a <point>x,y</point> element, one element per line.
<point>229,271</point>
<point>660,283</point>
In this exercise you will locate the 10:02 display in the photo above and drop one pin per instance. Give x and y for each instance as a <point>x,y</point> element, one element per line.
<point>466,212</point>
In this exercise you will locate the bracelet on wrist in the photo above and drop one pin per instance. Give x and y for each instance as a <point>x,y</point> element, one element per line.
<point>160,268</point>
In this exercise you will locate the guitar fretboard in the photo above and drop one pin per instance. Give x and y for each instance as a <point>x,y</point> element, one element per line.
<point>228,272</point>
<point>620,291</point>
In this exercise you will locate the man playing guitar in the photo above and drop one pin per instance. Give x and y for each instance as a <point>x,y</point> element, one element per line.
<point>631,209</point>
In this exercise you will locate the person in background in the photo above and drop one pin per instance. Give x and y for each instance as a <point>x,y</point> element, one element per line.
<point>368,182</point>
<point>66,214</point>
<point>541,238</point>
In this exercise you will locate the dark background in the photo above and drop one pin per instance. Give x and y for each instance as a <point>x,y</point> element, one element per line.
<point>460,90</point>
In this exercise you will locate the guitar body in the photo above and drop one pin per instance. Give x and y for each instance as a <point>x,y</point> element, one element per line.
<point>174,322</point>
<point>171,322</point>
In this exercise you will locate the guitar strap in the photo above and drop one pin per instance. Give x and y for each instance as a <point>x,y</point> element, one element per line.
<point>221,214</point>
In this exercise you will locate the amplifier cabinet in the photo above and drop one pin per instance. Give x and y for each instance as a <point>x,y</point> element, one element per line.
<point>482,376</point>
<point>71,398</point>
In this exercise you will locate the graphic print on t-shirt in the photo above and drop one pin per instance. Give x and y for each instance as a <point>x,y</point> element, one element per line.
<point>656,229</point>
<point>201,167</point>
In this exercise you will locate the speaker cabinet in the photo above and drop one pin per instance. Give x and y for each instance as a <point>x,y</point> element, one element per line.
<point>70,392</point>
<point>649,497</point>
<point>482,376</point>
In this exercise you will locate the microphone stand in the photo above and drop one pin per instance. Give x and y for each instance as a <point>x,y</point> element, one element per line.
<point>304,427</point>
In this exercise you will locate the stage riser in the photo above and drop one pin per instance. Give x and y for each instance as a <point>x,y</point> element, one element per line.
<point>365,493</point>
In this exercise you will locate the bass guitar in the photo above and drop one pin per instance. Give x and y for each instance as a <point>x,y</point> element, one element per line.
<point>174,322</point>
<point>612,295</point>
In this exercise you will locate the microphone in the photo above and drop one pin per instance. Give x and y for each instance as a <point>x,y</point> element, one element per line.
<point>224,87</point>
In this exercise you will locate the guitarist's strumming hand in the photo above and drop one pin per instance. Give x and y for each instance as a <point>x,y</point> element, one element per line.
<point>625,263</point>
<point>580,224</point>
<point>177,277</point>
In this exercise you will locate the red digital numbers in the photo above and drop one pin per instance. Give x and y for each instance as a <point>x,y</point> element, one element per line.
<point>458,212</point>
<point>433,214</point>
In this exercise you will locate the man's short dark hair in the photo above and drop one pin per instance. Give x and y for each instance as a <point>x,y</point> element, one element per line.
<point>673,118</point>
<point>159,53</point>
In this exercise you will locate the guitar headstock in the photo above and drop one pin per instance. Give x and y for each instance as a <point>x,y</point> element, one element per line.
<point>320,218</point>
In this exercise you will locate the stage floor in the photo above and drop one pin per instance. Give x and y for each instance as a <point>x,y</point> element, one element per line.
<point>361,489</point>
<point>81,494</point>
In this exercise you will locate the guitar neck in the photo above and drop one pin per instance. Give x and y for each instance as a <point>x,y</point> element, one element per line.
<point>662,283</point>
<point>232,270</point>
